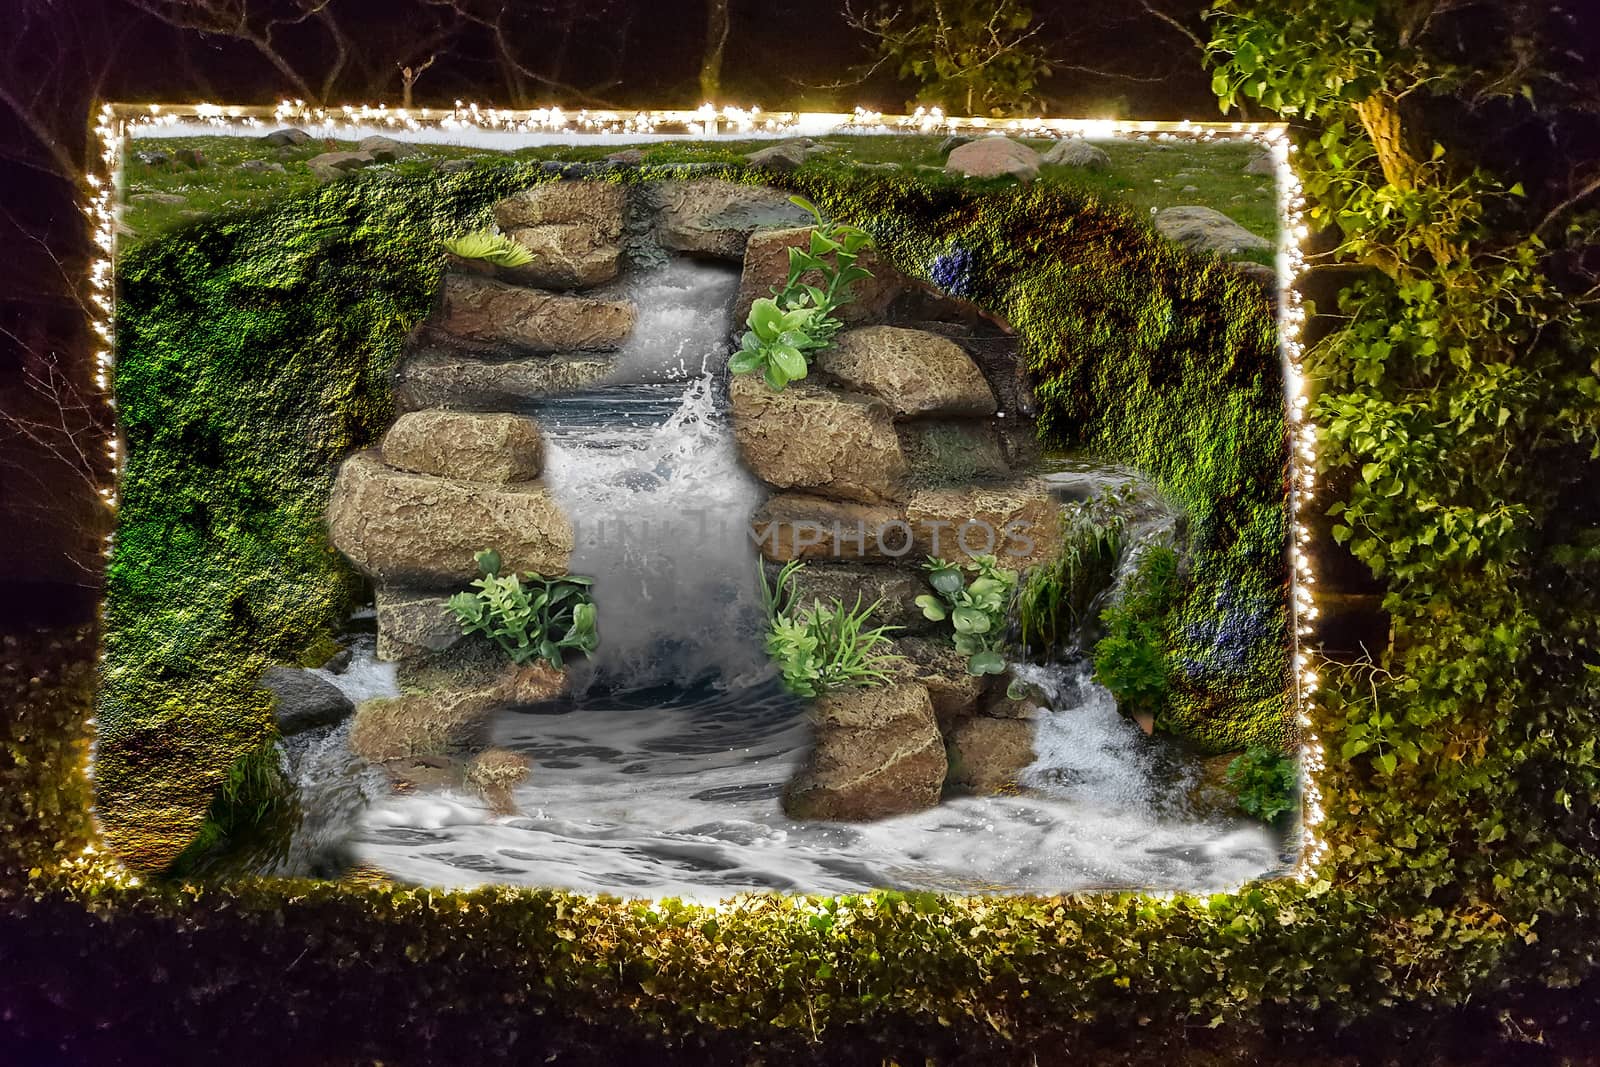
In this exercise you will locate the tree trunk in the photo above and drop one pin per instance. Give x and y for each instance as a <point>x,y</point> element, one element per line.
<point>711,62</point>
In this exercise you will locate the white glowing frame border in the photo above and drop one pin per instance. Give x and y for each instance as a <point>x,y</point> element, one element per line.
<point>115,123</point>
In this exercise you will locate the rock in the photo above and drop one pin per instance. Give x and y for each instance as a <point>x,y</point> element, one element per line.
<point>953,142</point>
<point>877,754</point>
<point>153,158</point>
<point>914,372</point>
<point>1204,229</point>
<point>1019,522</point>
<point>286,137</point>
<point>494,774</point>
<point>994,157</point>
<point>301,700</point>
<point>943,455</point>
<point>492,312</point>
<point>895,590</point>
<point>190,157</point>
<point>385,149</point>
<point>766,264</point>
<point>440,380</point>
<point>469,447</point>
<point>169,199</point>
<point>998,704</point>
<point>455,166</point>
<point>566,255</point>
<point>339,662</point>
<point>813,438</point>
<point>1190,189</point>
<point>412,624</point>
<point>987,754</point>
<point>799,526</point>
<point>1262,164</point>
<point>1260,275</point>
<point>1209,795</point>
<point>261,166</point>
<point>1077,152</point>
<point>782,157</point>
<point>934,663</point>
<point>419,724</point>
<point>332,165</point>
<point>403,528</point>
<point>628,157</point>
<point>600,205</point>
<point>713,217</point>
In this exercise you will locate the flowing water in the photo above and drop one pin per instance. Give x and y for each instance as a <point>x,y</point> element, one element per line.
<point>662,773</point>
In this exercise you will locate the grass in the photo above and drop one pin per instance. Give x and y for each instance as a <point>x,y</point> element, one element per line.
<point>1143,175</point>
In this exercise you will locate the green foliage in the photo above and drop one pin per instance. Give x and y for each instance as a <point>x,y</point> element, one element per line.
<point>1056,600</point>
<point>970,56</point>
<point>799,318</point>
<point>1131,660</point>
<point>977,610</point>
<point>1268,782</point>
<point>826,646</point>
<point>488,245</point>
<point>530,616</point>
<point>254,806</point>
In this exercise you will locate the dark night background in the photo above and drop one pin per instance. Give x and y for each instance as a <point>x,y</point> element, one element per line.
<point>1130,58</point>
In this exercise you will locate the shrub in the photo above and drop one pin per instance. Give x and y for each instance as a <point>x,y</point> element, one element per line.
<point>1131,660</point>
<point>1056,600</point>
<point>493,247</point>
<point>1268,782</point>
<point>977,611</point>
<point>543,618</point>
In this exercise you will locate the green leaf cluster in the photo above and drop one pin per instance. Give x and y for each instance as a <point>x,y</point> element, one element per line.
<point>1268,782</point>
<point>529,616</point>
<point>488,245</point>
<point>826,646</point>
<point>977,610</point>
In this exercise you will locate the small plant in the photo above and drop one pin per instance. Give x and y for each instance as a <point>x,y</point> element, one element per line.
<point>1131,660</point>
<point>976,610</point>
<point>1056,601</point>
<point>798,318</point>
<point>1268,782</point>
<point>826,647</point>
<point>493,247</point>
<point>531,616</point>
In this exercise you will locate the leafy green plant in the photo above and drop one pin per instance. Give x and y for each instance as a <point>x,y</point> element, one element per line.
<point>1055,601</point>
<point>529,616</point>
<point>1268,782</point>
<point>1131,659</point>
<point>977,610</point>
<point>496,248</point>
<point>826,646</point>
<point>799,317</point>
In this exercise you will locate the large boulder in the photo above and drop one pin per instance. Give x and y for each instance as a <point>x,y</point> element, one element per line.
<point>600,206</point>
<point>566,255</point>
<point>412,624</point>
<point>987,754</point>
<point>800,526</point>
<point>420,724</point>
<point>470,447</point>
<point>993,157</point>
<point>417,529</point>
<point>934,663</point>
<point>1078,153</point>
<point>331,165</point>
<point>766,264</point>
<point>915,372</point>
<point>779,157</point>
<point>877,754</point>
<point>1017,521</point>
<point>491,312</point>
<point>1262,165</point>
<point>440,379</point>
<point>302,700</point>
<point>893,588</point>
<point>713,217</point>
<point>1205,229</point>
<point>817,439</point>
<point>286,137</point>
<point>385,149</point>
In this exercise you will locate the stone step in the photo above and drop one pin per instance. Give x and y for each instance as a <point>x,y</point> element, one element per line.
<point>441,379</point>
<point>815,439</point>
<point>465,446</point>
<point>423,531</point>
<point>490,312</point>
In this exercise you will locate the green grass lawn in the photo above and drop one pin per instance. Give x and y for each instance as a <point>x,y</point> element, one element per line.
<point>1145,175</point>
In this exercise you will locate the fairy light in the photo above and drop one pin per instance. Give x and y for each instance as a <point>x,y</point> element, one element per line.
<point>116,124</point>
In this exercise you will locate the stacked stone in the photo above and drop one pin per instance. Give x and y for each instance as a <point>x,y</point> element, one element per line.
<point>909,438</point>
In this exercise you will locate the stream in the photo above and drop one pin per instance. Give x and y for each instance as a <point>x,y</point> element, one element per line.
<point>661,774</point>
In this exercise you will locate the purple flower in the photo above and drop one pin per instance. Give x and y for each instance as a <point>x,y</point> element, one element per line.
<point>952,272</point>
